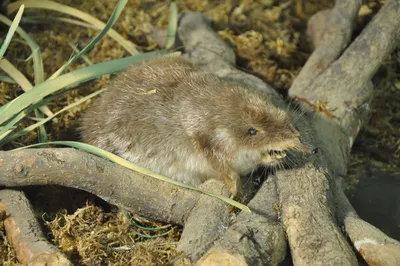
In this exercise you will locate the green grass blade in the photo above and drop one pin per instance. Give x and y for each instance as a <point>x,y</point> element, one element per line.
<point>38,70</point>
<point>72,78</point>
<point>11,31</point>
<point>116,159</point>
<point>50,20</point>
<point>42,134</point>
<point>36,55</point>
<point>7,79</point>
<point>76,50</point>
<point>22,81</point>
<point>43,121</point>
<point>3,135</point>
<point>10,125</point>
<point>172,25</point>
<point>45,4</point>
<point>111,21</point>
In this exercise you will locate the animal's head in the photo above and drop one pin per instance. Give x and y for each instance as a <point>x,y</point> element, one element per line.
<point>247,131</point>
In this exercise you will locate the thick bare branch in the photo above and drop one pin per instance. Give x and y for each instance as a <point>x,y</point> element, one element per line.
<point>344,84</point>
<point>24,232</point>
<point>373,245</point>
<point>255,238</point>
<point>201,229</point>
<point>143,195</point>
<point>314,237</point>
<point>339,26</point>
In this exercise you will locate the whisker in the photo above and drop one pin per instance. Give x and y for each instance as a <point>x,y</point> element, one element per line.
<point>250,177</point>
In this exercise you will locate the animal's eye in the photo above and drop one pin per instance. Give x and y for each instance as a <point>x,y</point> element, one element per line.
<point>252,131</point>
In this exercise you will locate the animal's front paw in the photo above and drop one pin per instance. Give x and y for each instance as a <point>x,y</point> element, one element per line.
<point>234,183</point>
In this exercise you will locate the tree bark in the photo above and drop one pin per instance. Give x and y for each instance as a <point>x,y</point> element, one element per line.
<point>345,84</point>
<point>23,232</point>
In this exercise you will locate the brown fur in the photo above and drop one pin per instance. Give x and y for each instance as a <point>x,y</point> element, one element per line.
<point>193,128</point>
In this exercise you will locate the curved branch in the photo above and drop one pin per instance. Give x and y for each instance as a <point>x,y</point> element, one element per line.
<point>373,245</point>
<point>143,195</point>
<point>23,232</point>
<point>208,220</point>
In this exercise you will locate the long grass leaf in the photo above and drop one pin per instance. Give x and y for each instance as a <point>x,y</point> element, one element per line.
<point>42,134</point>
<point>3,135</point>
<point>10,124</point>
<point>7,79</point>
<point>172,25</point>
<point>9,127</point>
<point>76,50</point>
<point>38,72</point>
<point>72,78</point>
<point>116,159</point>
<point>50,20</point>
<point>113,18</point>
<point>43,121</point>
<point>11,31</point>
<point>36,55</point>
<point>22,81</point>
<point>45,4</point>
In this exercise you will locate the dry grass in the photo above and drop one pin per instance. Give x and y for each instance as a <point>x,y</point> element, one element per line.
<point>100,237</point>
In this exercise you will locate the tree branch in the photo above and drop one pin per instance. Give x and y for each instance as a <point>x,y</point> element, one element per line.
<point>143,195</point>
<point>339,23</point>
<point>345,83</point>
<point>23,232</point>
<point>373,245</point>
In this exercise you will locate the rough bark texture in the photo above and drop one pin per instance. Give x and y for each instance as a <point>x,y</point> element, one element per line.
<point>23,232</point>
<point>143,195</point>
<point>337,28</point>
<point>373,245</point>
<point>345,85</point>
<point>202,228</point>
<point>255,238</point>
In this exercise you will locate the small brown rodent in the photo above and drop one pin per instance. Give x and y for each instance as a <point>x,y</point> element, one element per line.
<point>168,116</point>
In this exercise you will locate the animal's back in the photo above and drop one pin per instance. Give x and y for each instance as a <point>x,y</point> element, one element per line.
<point>139,117</point>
